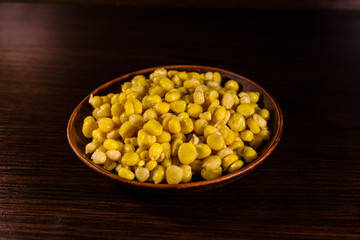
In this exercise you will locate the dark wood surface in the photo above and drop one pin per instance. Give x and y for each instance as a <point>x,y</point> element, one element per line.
<point>53,55</point>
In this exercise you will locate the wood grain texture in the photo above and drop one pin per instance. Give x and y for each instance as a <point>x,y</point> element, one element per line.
<point>52,56</point>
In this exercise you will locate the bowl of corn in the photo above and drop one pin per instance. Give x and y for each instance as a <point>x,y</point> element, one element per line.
<point>176,128</point>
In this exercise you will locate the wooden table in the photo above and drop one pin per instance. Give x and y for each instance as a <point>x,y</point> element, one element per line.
<point>53,55</point>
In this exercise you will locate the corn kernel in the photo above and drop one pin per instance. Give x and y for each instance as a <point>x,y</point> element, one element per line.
<point>111,144</point>
<point>150,114</point>
<point>178,106</point>
<point>162,107</point>
<point>130,159</point>
<point>228,100</point>
<point>127,130</point>
<point>219,114</point>
<point>265,114</point>
<point>187,153</point>
<point>172,96</point>
<point>92,146</point>
<point>126,173</point>
<point>153,127</point>
<point>187,173</point>
<point>150,165</point>
<point>237,122</point>
<point>164,137</point>
<point>211,162</point>
<point>209,129</point>
<point>174,174</point>
<point>145,139</point>
<point>105,124</point>
<point>113,154</point>
<point>228,160</point>
<point>231,84</point>
<point>247,135</point>
<point>261,122</point>
<point>199,126</point>
<point>225,152</point>
<point>249,154</point>
<point>215,141</point>
<point>246,110</point>
<point>158,174</point>
<point>155,151</point>
<point>203,150</point>
<point>89,125</point>
<point>211,174</point>
<point>252,125</point>
<point>142,174</point>
<point>174,125</point>
<point>194,110</point>
<point>235,166</point>
<point>98,157</point>
<point>186,125</point>
<point>254,96</point>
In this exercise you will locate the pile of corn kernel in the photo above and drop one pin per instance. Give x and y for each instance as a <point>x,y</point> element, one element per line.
<point>175,125</point>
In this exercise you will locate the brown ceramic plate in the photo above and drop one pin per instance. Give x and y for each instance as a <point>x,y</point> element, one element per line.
<point>77,141</point>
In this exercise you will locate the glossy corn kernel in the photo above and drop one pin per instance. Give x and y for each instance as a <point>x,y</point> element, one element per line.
<point>145,139</point>
<point>183,115</point>
<point>260,121</point>
<point>252,125</point>
<point>164,137</point>
<point>178,106</point>
<point>92,146</point>
<point>142,174</point>
<point>172,96</point>
<point>175,144</point>
<point>209,129</point>
<point>237,122</point>
<point>155,151</point>
<point>113,154</point>
<point>194,110</point>
<point>247,135</point>
<point>228,135</point>
<point>162,107</point>
<point>187,153</point>
<point>199,126</point>
<point>254,96</point>
<point>247,110</point>
<point>111,144</point>
<point>249,154</point>
<point>98,157</point>
<point>236,144</point>
<point>136,120</point>
<point>219,114</point>
<point>98,135</point>
<point>225,152</point>
<point>228,100</point>
<point>203,150</point>
<point>95,101</point>
<point>186,125</point>
<point>174,125</point>
<point>150,114</point>
<point>199,97</point>
<point>215,141</point>
<point>187,173</point>
<point>211,174</point>
<point>228,160</point>
<point>212,162</point>
<point>157,175</point>
<point>174,174</point>
<point>153,127</point>
<point>205,115</point>
<point>105,124</point>
<point>265,114</point>
<point>150,165</point>
<point>130,159</point>
<point>126,130</point>
<point>235,166</point>
<point>89,125</point>
<point>232,85</point>
<point>126,173</point>
<point>166,83</point>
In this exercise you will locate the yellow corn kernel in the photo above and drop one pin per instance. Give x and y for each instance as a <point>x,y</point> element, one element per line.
<point>217,77</point>
<point>150,114</point>
<point>95,101</point>
<point>209,129</point>
<point>219,114</point>
<point>228,135</point>
<point>98,157</point>
<point>196,166</point>
<point>114,155</point>
<point>126,173</point>
<point>177,80</point>
<point>92,146</point>
<point>150,165</point>
<point>199,126</point>
<point>191,83</point>
<point>237,122</point>
<point>247,135</point>
<point>213,106</point>
<point>172,73</point>
<point>116,121</point>
<point>98,135</point>
<point>209,76</point>
<point>194,110</point>
<point>165,121</point>
<point>153,127</point>
<point>187,153</point>
<point>187,173</point>
<point>179,136</point>
<point>247,110</point>
<point>166,162</point>
<point>111,144</point>
<point>261,122</point>
<point>164,137</point>
<point>157,90</point>
<point>205,115</point>
<point>228,160</point>
<point>174,174</point>
<point>158,174</point>
<point>211,162</point>
<point>183,115</point>
<point>166,149</point>
<point>122,98</point>
<point>188,98</point>
<point>128,148</point>
<point>162,107</point>
<point>183,90</point>
<point>105,124</point>
<point>105,99</point>
<point>145,139</point>
<point>252,125</point>
<point>130,159</point>
<point>129,108</point>
<point>132,141</point>
<point>236,144</point>
<point>178,106</point>
<point>211,96</point>
<point>166,83</point>
<point>109,164</point>
<point>187,125</point>
<point>144,155</point>
<point>142,174</point>
<point>215,141</point>
<point>244,98</point>
<point>89,125</point>
<point>123,118</point>
<point>265,114</point>
<point>127,130</point>
<point>136,120</point>
<point>235,166</point>
<point>228,100</point>
<point>116,109</point>
<point>175,144</point>
<point>211,174</point>
<point>225,152</point>
<point>249,154</point>
<point>203,150</point>
<point>155,151</point>
<point>232,85</point>
<point>254,96</point>
<point>199,97</point>
<point>137,106</point>
<point>174,125</point>
<point>172,96</point>
<point>195,75</point>
<point>165,115</point>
